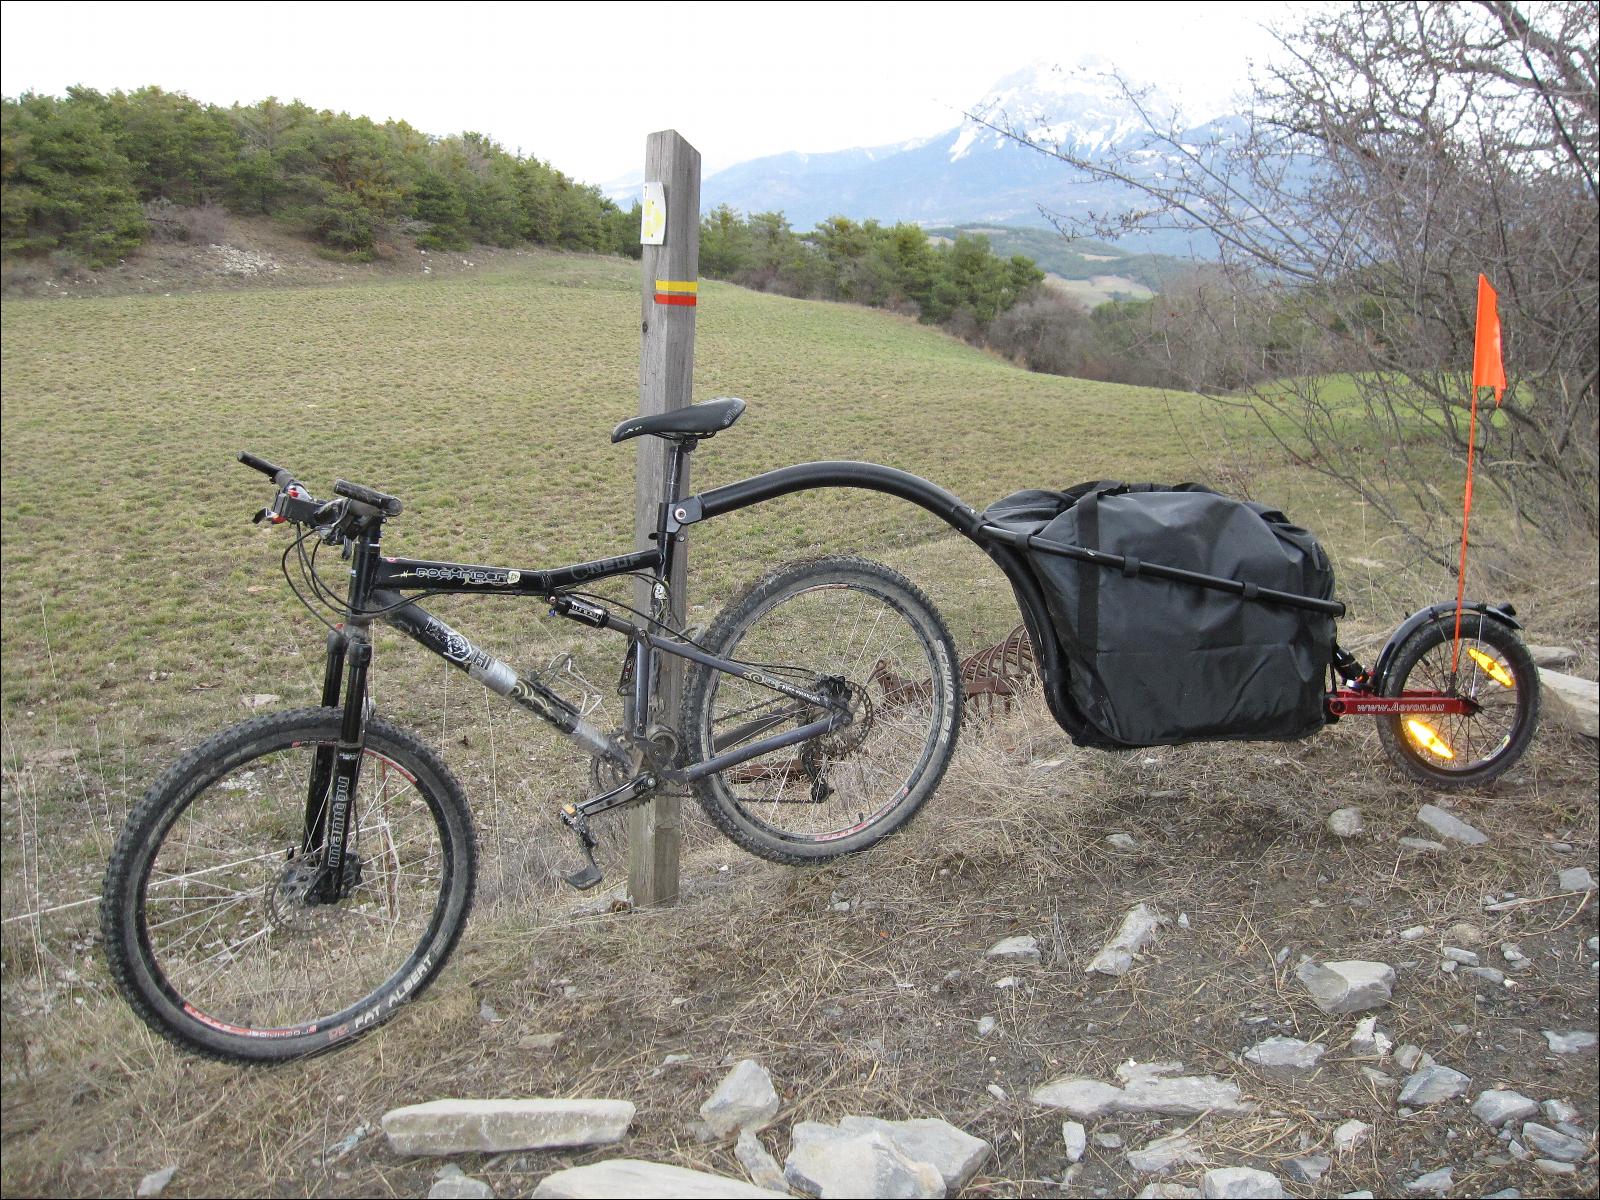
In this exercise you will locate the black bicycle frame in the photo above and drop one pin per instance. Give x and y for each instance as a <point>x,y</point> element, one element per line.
<point>380,587</point>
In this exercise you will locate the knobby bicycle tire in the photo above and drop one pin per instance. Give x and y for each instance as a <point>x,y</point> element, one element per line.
<point>866,632</point>
<point>209,929</point>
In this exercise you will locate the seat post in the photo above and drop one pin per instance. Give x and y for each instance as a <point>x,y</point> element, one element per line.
<point>677,484</point>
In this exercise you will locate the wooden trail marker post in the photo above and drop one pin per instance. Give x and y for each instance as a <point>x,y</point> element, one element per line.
<point>671,269</point>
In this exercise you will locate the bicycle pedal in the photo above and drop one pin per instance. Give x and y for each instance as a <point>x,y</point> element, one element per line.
<point>585,877</point>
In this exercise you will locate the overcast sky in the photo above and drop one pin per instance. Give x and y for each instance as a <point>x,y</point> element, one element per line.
<point>582,84</point>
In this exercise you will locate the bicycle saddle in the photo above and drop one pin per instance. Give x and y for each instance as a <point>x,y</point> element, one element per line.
<point>689,423</point>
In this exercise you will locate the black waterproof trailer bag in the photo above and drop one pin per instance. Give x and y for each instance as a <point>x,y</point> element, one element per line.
<point>1182,615</point>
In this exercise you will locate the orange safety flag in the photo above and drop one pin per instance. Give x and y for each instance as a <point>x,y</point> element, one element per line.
<point>1488,368</point>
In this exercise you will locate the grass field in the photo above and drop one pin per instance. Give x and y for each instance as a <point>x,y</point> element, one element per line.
<point>142,611</point>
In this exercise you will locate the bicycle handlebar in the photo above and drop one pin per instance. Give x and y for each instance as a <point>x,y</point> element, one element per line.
<point>272,471</point>
<point>388,505</point>
<point>296,504</point>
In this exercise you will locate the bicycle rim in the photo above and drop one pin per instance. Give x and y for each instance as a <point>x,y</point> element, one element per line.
<point>1464,743</point>
<point>856,640</point>
<point>227,925</point>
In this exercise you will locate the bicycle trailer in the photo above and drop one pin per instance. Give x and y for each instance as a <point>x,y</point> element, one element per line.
<point>1178,614</point>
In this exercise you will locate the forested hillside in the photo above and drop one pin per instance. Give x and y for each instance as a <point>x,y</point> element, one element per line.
<point>95,175</point>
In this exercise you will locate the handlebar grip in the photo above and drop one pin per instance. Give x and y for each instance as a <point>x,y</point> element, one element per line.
<point>388,505</point>
<point>277,474</point>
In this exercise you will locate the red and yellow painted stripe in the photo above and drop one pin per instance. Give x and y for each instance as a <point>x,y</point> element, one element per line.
<point>677,291</point>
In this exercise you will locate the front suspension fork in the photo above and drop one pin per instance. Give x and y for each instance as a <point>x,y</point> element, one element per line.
<point>336,770</point>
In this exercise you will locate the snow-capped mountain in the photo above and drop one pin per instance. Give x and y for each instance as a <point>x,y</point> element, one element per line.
<point>970,172</point>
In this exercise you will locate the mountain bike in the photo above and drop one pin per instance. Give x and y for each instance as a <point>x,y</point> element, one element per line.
<point>290,882</point>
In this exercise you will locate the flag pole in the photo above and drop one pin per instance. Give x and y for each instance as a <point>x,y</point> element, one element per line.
<point>1466,516</point>
<point>1488,370</point>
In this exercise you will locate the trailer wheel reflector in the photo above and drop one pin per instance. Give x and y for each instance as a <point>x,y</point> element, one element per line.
<point>1425,736</point>
<point>1491,668</point>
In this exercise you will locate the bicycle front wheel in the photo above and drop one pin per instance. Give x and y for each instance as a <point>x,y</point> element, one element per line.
<point>868,638</point>
<point>212,927</point>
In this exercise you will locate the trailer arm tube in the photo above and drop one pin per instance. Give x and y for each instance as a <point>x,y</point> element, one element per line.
<point>948,507</point>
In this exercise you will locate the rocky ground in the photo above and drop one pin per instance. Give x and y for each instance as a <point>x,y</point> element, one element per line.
<point>1178,976</point>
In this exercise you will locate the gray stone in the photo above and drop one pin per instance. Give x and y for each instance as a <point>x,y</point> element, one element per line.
<point>1468,958</point>
<point>762,1168</point>
<point>1552,656</point>
<point>1135,1072</point>
<point>1554,1166</point>
<point>632,1177</point>
<point>492,1126</point>
<point>156,1182</point>
<point>1434,1183</point>
<point>1465,933</point>
<point>1345,987</point>
<point>1167,1191</point>
<point>1559,1112</point>
<point>987,1025</point>
<point>1433,1085</point>
<point>1148,1091</point>
<point>824,1161</point>
<point>1346,823</point>
<point>1240,1183</point>
<point>1076,1139</point>
<point>1138,927</point>
<point>1488,974</point>
<point>1421,845</point>
<point>1163,1154</point>
<point>1412,1058</point>
<point>1550,1143</point>
<point>1085,1099</point>
<point>1361,1195</point>
<point>1571,702</point>
<point>1022,948</point>
<point>1450,827</point>
<point>1379,1078</point>
<point>1503,1194</point>
<point>745,1099</point>
<point>1184,1095</point>
<point>952,1152</point>
<point>1574,1042</point>
<point>1286,1057</point>
<point>1497,1106</point>
<point>1308,1168</point>
<point>1108,1141</point>
<point>1413,933</point>
<point>1350,1136</point>
<point>1369,1041</point>
<point>1123,841</point>
<point>460,1187</point>
<point>1575,879</point>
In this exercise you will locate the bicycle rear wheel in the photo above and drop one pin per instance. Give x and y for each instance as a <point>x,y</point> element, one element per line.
<point>863,634</point>
<point>211,930</point>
